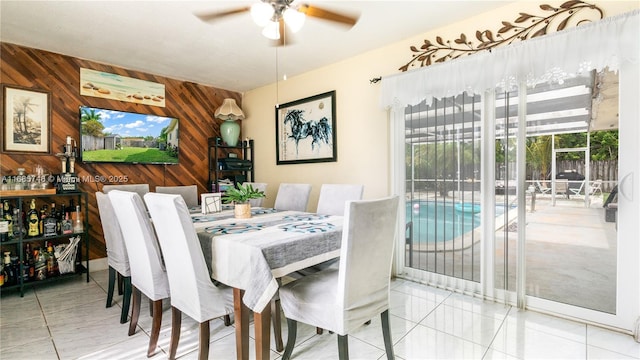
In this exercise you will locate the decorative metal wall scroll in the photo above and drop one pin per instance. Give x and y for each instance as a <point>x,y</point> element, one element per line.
<point>526,26</point>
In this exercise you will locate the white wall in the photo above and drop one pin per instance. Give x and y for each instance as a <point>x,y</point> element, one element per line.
<point>362,126</point>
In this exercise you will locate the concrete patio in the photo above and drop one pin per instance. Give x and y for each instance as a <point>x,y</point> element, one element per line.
<point>571,254</point>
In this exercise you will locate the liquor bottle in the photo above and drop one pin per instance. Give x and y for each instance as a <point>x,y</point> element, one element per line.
<point>18,224</point>
<point>8,212</point>
<point>4,226</point>
<point>50,222</point>
<point>77,223</point>
<point>43,215</point>
<point>29,263</point>
<point>1,273</point>
<point>40,266</point>
<point>67,226</point>
<point>9,277</point>
<point>70,210</point>
<point>52,263</point>
<point>33,229</point>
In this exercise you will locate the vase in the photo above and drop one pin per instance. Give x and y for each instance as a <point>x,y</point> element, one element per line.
<point>230,132</point>
<point>242,211</point>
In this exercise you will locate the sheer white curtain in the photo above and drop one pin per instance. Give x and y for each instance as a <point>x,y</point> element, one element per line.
<point>605,43</point>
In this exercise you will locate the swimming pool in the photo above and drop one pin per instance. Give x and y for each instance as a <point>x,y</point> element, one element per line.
<point>436,221</point>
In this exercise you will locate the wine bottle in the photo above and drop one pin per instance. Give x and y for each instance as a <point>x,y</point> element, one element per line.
<point>33,229</point>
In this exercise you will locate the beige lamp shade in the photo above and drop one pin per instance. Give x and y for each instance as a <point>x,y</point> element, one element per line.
<point>229,110</point>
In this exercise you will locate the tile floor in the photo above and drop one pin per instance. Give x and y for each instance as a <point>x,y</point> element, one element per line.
<point>68,320</point>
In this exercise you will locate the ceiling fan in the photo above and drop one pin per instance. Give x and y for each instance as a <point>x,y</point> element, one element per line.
<point>279,17</point>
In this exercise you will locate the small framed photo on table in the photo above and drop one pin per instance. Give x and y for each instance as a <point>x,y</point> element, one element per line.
<point>211,203</point>
<point>26,119</point>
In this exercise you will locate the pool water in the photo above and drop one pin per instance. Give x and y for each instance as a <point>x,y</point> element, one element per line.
<point>441,221</point>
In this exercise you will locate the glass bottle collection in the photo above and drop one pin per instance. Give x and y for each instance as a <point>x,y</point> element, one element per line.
<point>38,263</point>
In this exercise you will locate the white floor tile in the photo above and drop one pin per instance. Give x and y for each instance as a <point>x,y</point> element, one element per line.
<point>69,320</point>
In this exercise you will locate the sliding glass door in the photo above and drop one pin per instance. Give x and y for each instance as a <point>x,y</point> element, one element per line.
<point>507,198</point>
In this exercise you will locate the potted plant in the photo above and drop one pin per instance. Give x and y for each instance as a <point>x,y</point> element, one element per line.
<point>240,196</point>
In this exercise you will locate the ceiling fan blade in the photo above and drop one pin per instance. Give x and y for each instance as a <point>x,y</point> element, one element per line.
<point>211,16</point>
<point>314,11</point>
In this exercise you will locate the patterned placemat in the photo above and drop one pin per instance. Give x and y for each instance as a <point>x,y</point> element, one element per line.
<point>233,228</point>
<point>259,211</point>
<point>308,227</point>
<point>203,218</point>
<point>305,217</point>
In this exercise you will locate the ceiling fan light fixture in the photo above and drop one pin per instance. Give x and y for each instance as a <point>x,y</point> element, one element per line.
<point>294,19</point>
<point>271,31</point>
<point>262,13</point>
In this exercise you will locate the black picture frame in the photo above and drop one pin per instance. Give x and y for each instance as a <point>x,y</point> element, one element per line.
<point>306,130</point>
<point>26,120</point>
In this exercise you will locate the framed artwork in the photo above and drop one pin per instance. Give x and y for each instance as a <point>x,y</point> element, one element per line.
<point>26,115</point>
<point>306,130</point>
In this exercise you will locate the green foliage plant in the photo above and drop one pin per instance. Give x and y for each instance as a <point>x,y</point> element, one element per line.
<point>242,194</point>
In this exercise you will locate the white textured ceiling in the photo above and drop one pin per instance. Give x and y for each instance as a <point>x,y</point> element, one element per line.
<point>165,38</point>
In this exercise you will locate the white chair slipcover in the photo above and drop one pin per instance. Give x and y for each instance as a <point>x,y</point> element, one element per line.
<point>292,197</point>
<point>147,269</point>
<point>188,192</point>
<point>257,186</point>
<point>140,189</point>
<point>117,257</point>
<point>344,299</point>
<point>334,196</point>
<point>192,291</point>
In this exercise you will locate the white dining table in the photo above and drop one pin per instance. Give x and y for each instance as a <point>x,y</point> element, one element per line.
<point>249,255</point>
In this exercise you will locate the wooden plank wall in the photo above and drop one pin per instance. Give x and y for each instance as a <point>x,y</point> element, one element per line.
<point>193,104</point>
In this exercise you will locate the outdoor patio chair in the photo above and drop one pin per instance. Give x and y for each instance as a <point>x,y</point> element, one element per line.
<point>595,187</point>
<point>544,190</point>
<point>579,189</point>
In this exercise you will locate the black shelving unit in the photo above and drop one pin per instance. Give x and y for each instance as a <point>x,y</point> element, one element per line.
<point>218,169</point>
<point>17,245</point>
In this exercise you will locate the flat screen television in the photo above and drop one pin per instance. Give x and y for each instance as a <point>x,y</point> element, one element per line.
<point>113,136</point>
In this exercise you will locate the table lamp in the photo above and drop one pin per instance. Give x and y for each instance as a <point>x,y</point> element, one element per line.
<point>229,129</point>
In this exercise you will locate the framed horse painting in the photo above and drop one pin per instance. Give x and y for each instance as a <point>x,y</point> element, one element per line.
<point>306,130</point>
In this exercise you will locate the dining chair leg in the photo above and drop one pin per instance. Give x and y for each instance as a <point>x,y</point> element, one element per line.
<point>277,324</point>
<point>150,307</point>
<point>319,330</point>
<point>126,299</point>
<point>292,327</point>
<point>176,322</point>
<point>120,290</point>
<point>203,353</point>
<point>227,320</point>
<point>135,312</point>
<point>386,334</point>
<point>112,279</point>
<point>343,347</point>
<point>155,327</point>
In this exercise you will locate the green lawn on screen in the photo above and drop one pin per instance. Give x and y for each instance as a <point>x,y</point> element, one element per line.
<point>130,154</point>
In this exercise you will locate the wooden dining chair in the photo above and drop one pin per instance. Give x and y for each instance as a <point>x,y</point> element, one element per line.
<point>188,192</point>
<point>117,257</point>
<point>292,197</point>
<point>192,291</point>
<point>341,300</point>
<point>148,275</point>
